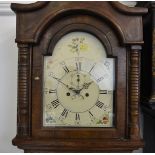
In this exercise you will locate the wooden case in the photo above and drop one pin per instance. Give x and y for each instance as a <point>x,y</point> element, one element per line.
<point>39,26</point>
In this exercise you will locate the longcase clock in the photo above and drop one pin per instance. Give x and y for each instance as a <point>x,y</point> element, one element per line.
<point>78,76</point>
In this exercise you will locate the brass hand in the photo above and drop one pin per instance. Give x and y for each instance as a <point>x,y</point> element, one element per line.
<point>60,81</point>
<point>79,95</point>
<point>70,88</point>
<point>86,85</point>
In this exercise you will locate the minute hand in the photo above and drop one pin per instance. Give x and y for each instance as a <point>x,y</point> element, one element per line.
<point>70,88</point>
<point>60,81</point>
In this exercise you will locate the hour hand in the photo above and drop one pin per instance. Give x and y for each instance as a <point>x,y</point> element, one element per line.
<point>86,85</point>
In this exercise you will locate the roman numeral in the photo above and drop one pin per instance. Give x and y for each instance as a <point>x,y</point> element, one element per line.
<point>77,117</point>
<point>93,119</point>
<point>103,91</point>
<point>92,68</point>
<point>52,91</point>
<point>64,113</point>
<point>55,103</point>
<point>66,69</point>
<point>90,113</point>
<point>99,104</point>
<point>100,79</point>
<point>78,66</point>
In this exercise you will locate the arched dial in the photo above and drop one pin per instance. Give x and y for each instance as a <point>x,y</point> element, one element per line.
<point>79,92</point>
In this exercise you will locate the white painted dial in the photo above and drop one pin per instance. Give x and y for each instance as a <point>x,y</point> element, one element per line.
<point>78,87</point>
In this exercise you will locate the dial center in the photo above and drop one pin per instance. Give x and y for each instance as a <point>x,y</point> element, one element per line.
<point>81,94</point>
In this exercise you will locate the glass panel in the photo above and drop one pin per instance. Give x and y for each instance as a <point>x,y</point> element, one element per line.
<point>78,83</point>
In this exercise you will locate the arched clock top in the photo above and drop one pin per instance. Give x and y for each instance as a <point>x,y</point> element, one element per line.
<point>77,11</point>
<point>78,44</point>
<point>38,5</point>
<point>49,44</point>
<point>120,17</point>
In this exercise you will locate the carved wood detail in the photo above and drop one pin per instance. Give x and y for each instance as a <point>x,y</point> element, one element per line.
<point>28,7</point>
<point>32,33</point>
<point>24,76</point>
<point>134,91</point>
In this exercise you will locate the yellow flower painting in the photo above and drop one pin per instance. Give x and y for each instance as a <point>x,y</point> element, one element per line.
<point>78,45</point>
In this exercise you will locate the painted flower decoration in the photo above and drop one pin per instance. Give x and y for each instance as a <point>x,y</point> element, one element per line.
<point>105,119</point>
<point>78,45</point>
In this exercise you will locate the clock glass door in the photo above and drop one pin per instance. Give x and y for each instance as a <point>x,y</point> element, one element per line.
<point>79,83</point>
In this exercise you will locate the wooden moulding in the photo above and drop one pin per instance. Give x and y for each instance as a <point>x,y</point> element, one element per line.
<point>121,22</point>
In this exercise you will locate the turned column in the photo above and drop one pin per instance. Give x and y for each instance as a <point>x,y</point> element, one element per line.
<point>134,87</point>
<point>24,89</point>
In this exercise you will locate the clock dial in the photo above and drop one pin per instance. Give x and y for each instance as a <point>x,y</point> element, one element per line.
<point>78,88</point>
